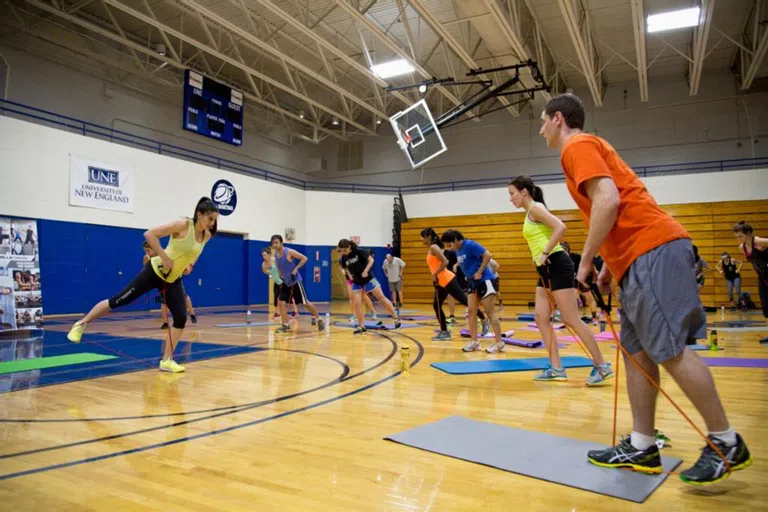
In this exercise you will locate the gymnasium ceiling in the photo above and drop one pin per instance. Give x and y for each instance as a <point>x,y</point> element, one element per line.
<point>304,63</point>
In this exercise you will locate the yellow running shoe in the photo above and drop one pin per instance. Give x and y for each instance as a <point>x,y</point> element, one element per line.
<point>76,332</point>
<point>169,365</point>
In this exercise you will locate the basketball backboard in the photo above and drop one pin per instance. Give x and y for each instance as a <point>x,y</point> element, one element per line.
<point>417,134</point>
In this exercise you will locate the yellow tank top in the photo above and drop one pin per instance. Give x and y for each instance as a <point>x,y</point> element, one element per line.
<point>537,235</point>
<point>183,251</point>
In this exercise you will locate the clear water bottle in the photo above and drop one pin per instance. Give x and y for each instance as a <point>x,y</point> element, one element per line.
<point>722,312</point>
<point>248,316</point>
<point>405,355</point>
<point>327,322</point>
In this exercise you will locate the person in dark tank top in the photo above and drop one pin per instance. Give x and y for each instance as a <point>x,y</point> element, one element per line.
<point>730,269</point>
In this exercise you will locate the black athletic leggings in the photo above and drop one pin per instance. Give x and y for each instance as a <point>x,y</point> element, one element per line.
<point>146,280</point>
<point>441,293</point>
<point>762,288</point>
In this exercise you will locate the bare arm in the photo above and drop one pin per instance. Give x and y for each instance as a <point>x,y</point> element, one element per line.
<point>760,243</point>
<point>719,266</point>
<point>605,208</point>
<point>487,257</point>
<point>368,266</point>
<point>297,255</point>
<point>436,251</point>
<point>739,264</point>
<point>153,236</point>
<point>539,213</point>
<point>265,267</point>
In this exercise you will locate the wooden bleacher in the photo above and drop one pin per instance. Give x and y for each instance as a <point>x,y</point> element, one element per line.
<point>709,224</point>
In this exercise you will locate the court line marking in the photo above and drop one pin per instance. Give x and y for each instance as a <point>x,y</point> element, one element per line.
<point>139,449</point>
<point>229,410</point>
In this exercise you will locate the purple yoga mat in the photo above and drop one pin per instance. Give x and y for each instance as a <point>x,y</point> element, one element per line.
<point>737,362</point>
<point>523,343</point>
<point>418,318</point>
<point>465,333</point>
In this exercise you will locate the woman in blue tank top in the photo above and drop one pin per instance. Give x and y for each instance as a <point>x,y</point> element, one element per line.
<point>288,263</point>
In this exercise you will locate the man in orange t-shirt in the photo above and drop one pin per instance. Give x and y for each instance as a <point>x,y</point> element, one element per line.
<point>650,255</point>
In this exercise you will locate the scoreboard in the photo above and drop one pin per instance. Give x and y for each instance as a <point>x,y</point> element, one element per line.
<point>212,109</point>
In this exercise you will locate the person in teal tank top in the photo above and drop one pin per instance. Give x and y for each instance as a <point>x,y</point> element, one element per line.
<point>163,272</point>
<point>269,268</point>
<point>543,232</point>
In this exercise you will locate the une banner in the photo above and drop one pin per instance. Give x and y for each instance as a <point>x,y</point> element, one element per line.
<point>98,185</point>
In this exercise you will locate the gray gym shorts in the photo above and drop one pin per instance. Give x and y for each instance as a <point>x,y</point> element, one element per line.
<point>660,304</point>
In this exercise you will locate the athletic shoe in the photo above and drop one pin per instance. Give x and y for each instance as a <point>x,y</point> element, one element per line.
<point>486,327</point>
<point>496,348</point>
<point>283,329</point>
<point>353,320</point>
<point>193,318</point>
<point>169,365</point>
<point>320,324</point>
<point>471,346</point>
<point>598,376</point>
<point>313,322</point>
<point>398,323</point>
<point>551,374</point>
<point>451,320</point>
<point>442,336</point>
<point>360,330</point>
<point>164,326</point>
<point>624,455</point>
<point>276,316</point>
<point>76,332</point>
<point>710,468</point>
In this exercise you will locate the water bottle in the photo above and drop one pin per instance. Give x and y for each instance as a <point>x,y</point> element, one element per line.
<point>248,316</point>
<point>713,340</point>
<point>405,356</point>
<point>327,321</point>
<point>722,312</point>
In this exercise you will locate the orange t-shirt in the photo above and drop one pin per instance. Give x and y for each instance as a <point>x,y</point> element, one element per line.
<point>641,225</point>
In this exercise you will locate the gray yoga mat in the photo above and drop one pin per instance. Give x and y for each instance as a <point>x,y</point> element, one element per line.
<point>544,456</point>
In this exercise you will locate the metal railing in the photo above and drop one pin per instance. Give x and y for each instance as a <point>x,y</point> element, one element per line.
<point>112,135</point>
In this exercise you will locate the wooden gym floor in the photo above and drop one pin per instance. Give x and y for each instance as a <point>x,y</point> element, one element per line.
<point>297,423</point>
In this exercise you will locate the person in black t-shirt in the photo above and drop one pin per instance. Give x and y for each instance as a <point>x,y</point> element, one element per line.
<point>357,263</point>
<point>731,270</point>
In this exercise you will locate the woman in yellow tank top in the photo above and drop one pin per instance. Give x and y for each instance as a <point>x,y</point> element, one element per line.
<point>543,232</point>
<point>445,283</point>
<point>163,272</point>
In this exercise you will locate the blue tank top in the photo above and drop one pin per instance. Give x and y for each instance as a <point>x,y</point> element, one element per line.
<point>285,267</point>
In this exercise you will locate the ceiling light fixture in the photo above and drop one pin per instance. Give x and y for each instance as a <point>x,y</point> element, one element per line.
<point>672,20</point>
<point>392,68</point>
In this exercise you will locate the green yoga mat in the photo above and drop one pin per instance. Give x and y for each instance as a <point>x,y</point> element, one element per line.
<point>39,363</point>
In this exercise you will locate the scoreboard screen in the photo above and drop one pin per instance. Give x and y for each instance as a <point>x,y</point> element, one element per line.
<point>212,109</point>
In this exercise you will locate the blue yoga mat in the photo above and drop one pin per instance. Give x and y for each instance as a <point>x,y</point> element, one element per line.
<point>526,317</point>
<point>376,326</point>
<point>508,365</point>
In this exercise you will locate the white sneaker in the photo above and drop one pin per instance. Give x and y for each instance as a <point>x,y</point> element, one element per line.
<point>496,348</point>
<point>471,346</point>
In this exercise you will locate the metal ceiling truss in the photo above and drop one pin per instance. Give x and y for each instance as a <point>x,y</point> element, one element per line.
<point>86,48</point>
<point>510,21</point>
<point>699,47</point>
<point>464,56</point>
<point>579,25</point>
<point>395,46</point>
<point>638,27</point>
<point>254,95</point>
<point>755,44</point>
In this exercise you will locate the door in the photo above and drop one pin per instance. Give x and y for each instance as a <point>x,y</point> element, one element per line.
<point>339,280</point>
<point>219,275</point>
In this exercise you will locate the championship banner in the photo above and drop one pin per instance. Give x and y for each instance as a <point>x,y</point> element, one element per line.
<point>21,298</point>
<point>98,185</point>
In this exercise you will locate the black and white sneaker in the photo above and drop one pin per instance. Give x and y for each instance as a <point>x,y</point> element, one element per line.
<point>194,319</point>
<point>624,455</point>
<point>360,330</point>
<point>710,468</point>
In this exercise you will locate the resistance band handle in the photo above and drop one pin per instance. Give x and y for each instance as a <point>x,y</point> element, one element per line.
<point>599,298</point>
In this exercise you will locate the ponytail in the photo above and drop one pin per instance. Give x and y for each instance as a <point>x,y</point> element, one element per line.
<point>205,205</point>
<point>344,243</point>
<point>429,232</point>
<point>743,227</point>
<point>526,183</point>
